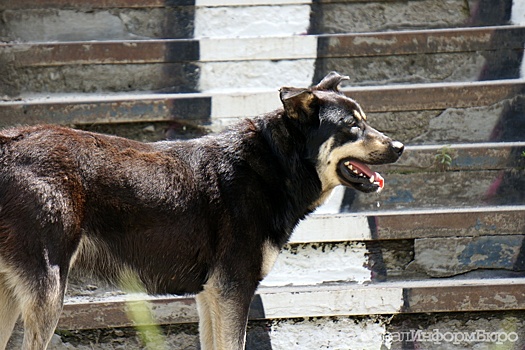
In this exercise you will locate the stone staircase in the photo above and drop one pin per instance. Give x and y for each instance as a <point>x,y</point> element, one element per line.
<point>435,261</point>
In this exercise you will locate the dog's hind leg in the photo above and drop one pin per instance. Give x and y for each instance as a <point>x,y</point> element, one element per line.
<point>39,299</point>
<point>40,315</point>
<point>40,296</point>
<point>9,312</point>
<point>41,312</point>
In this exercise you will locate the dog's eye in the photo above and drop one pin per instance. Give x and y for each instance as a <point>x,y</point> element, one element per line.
<point>347,122</point>
<point>355,129</point>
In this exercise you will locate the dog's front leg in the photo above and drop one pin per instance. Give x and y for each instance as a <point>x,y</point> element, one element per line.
<point>223,315</point>
<point>204,305</point>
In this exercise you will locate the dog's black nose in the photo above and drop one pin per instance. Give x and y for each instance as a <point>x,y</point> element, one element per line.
<point>398,147</point>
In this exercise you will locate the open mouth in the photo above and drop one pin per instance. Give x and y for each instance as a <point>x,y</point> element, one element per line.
<point>358,175</point>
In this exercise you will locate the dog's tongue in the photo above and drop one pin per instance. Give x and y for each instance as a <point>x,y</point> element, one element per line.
<point>363,168</point>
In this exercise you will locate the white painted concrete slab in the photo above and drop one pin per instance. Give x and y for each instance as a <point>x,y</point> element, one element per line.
<point>267,48</point>
<point>255,75</point>
<point>222,3</point>
<point>253,20</point>
<point>312,264</point>
<point>332,301</point>
<point>518,12</point>
<point>332,228</point>
<point>245,105</point>
<point>518,17</point>
<point>333,333</point>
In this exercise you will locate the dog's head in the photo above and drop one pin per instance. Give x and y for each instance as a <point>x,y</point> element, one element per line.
<point>339,140</point>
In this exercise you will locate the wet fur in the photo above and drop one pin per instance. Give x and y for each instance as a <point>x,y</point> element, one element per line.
<point>206,216</point>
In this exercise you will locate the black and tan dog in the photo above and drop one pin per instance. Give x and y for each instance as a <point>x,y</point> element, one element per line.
<point>206,216</point>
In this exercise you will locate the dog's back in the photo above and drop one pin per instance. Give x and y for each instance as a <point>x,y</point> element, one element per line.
<point>68,195</point>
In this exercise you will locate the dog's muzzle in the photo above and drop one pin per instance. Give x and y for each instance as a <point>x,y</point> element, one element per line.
<point>357,174</point>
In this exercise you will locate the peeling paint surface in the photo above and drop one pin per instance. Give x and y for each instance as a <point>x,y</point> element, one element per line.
<point>440,257</point>
<point>335,333</point>
<point>307,264</point>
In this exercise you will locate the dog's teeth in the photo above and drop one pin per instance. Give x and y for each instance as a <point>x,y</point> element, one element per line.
<point>372,179</point>
<point>361,174</point>
<point>347,163</point>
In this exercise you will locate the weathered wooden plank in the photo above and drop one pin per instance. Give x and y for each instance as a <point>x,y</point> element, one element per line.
<point>422,42</point>
<point>267,48</point>
<point>486,296</point>
<point>118,313</point>
<point>410,224</point>
<point>182,107</point>
<point>341,299</point>
<point>103,52</point>
<point>418,97</point>
<point>91,4</point>
<point>205,107</point>
<point>489,221</point>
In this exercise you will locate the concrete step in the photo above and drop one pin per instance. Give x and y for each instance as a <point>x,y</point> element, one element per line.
<point>53,20</point>
<point>403,245</point>
<point>484,313</point>
<point>414,114</point>
<point>212,64</point>
<point>414,244</point>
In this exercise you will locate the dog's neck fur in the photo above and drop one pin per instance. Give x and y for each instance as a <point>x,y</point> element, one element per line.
<point>292,179</point>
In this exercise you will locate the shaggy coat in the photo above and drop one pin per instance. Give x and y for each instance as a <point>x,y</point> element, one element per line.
<point>206,216</point>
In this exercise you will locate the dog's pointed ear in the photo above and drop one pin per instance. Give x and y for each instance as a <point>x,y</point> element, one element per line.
<point>297,102</point>
<point>331,82</point>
